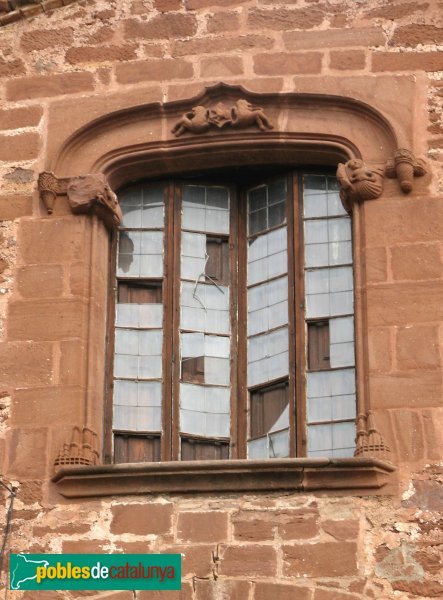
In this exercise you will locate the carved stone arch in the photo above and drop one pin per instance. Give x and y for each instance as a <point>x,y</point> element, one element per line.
<point>142,142</point>
<point>305,128</point>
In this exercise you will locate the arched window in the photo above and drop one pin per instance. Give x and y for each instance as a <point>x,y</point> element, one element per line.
<point>234,332</point>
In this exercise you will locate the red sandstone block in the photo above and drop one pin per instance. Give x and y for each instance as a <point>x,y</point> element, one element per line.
<point>90,54</point>
<point>376,265</point>
<point>414,34</point>
<point>407,61</point>
<point>347,529</point>
<point>14,206</point>
<point>196,4</point>
<point>12,68</point>
<point>417,261</point>
<point>27,116</point>
<point>186,593</point>
<point>418,347</point>
<point>27,454</point>
<point>86,546</point>
<point>334,38</point>
<point>153,70</point>
<point>349,60</point>
<point>24,146</point>
<point>52,240</point>
<point>40,406</point>
<point>202,526</point>
<point>276,591</point>
<point>282,63</point>
<point>381,349</point>
<point>170,26</point>
<point>25,364</point>
<point>42,320</point>
<point>167,5</point>
<point>248,561</point>
<point>213,590</point>
<point>221,66</point>
<point>197,560</point>
<point>141,519</point>
<point>40,281</point>
<point>40,39</point>
<point>41,86</point>
<point>391,11</point>
<point>223,21</point>
<point>325,594</point>
<point>217,45</point>
<point>411,389</point>
<point>282,19</point>
<point>327,559</point>
<point>405,303</point>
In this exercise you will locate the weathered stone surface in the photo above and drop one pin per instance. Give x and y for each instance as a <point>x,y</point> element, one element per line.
<point>40,281</point>
<point>14,206</point>
<point>266,591</point>
<point>24,146</point>
<point>347,529</point>
<point>334,38</point>
<point>46,38</point>
<point>41,86</point>
<point>42,320</point>
<point>41,406</point>
<point>212,590</point>
<point>168,26</point>
<point>428,495</point>
<point>418,347</point>
<point>327,559</point>
<point>347,60</point>
<point>416,262</point>
<point>221,65</point>
<point>287,64</point>
<point>414,34</point>
<point>90,54</point>
<point>153,70</point>
<point>27,452</point>
<point>282,19</point>
<point>142,519</point>
<point>217,45</point>
<point>26,116</point>
<point>202,526</point>
<point>248,561</point>
<point>395,61</point>
<point>26,363</point>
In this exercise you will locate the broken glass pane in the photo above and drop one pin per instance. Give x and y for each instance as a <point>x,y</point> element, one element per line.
<point>279,444</point>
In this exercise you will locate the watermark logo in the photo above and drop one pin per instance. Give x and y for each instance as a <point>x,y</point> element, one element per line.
<point>95,572</point>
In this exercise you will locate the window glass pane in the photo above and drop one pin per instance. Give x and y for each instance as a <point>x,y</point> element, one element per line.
<point>257,221</point>
<point>279,444</point>
<point>257,198</point>
<point>277,191</point>
<point>151,216</point>
<point>258,448</point>
<point>277,214</point>
<point>217,197</point>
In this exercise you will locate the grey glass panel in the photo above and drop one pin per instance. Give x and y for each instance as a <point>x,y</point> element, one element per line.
<point>139,315</point>
<point>194,218</point>
<point>126,366</point>
<point>210,321</point>
<point>341,303</point>
<point>330,383</point>
<point>320,437</point>
<point>153,194</point>
<point>343,452</point>
<point>217,197</point>
<point>268,344</point>
<point>258,448</point>
<point>267,244</point>
<point>335,205</point>
<point>278,315</point>
<point>268,267</point>
<point>150,367</point>
<point>331,408</point>
<point>217,346</point>
<point>217,221</point>
<point>279,444</point>
<point>257,221</point>
<point>151,343</point>
<point>137,418</point>
<point>192,345</point>
<point>268,369</point>
<point>151,242</point>
<point>193,244</point>
<point>217,425</point>
<point>193,194</point>
<point>192,422</point>
<point>217,371</point>
<point>267,294</point>
<point>314,182</point>
<point>342,355</point>
<point>192,397</point>
<point>277,191</point>
<point>343,435</point>
<point>204,410</point>
<point>132,215</point>
<point>137,393</point>
<point>152,216</point>
<point>277,214</point>
<point>151,266</point>
<point>192,268</point>
<point>126,342</point>
<point>341,330</point>
<point>257,198</point>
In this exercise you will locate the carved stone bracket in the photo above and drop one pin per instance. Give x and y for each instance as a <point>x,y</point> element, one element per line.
<point>200,119</point>
<point>370,442</point>
<point>358,182</point>
<point>81,450</point>
<point>86,194</point>
<point>404,166</point>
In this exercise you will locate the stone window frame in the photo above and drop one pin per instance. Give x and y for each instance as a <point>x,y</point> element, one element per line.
<point>114,147</point>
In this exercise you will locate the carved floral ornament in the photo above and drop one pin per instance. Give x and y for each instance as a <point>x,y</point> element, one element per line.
<point>358,182</point>
<point>242,114</point>
<point>86,194</point>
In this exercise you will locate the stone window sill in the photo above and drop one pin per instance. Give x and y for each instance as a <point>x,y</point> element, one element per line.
<point>358,476</point>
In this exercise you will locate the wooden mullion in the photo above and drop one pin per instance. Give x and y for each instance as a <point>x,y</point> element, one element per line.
<point>291,210</point>
<point>235,403</point>
<point>299,304</point>
<point>168,295</point>
<point>175,384</point>
<point>110,345</point>
<point>240,351</point>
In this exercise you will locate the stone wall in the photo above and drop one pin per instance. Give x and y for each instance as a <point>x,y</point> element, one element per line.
<point>68,63</point>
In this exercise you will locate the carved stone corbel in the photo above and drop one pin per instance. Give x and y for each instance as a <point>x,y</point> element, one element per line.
<point>358,182</point>
<point>86,194</point>
<point>81,450</point>
<point>370,441</point>
<point>404,166</point>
